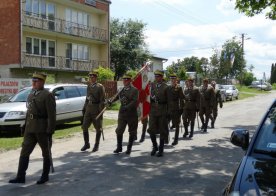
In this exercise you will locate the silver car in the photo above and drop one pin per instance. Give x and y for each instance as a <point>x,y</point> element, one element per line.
<point>231,92</point>
<point>70,99</point>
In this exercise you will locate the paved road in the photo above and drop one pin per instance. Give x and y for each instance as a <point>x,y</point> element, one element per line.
<point>201,166</point>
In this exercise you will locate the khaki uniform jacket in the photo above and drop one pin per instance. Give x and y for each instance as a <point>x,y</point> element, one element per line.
<point>207,97</point>
<point>158,99</point>
<point>41,112</point>
<point>128,97</point>
<point>218,99</point>
<point>95,98</point>
<point>192,98</point>
<point>175,99</point>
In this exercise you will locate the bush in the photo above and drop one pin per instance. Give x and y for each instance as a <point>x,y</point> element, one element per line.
<point>274,86</point>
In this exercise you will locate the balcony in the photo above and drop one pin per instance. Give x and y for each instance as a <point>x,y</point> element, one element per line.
<point>63,26</point>
<point>59,63</point>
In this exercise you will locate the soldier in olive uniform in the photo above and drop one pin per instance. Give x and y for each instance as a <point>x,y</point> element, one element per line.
<point>207,97</point>
<point>128,97</point>
<point>93,105</point>
<point>158,123</point>
<point>40,125</point>
<point>191,106</point>
<point>217,101</point>
<point>175,105</point>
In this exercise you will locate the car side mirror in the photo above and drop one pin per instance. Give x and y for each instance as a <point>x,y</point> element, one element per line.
<point>240,137</point>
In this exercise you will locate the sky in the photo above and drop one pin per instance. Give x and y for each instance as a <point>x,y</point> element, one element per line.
<point>183,28</point>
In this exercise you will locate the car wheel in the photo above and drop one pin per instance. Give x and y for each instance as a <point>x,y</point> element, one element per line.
<point>237,97</point>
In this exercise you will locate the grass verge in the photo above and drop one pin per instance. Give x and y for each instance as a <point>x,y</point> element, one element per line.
<point>63,131</point>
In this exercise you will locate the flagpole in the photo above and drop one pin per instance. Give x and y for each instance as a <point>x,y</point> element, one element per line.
<point>98,116</point>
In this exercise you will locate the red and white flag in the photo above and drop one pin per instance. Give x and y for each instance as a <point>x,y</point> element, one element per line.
<point>141,82</point>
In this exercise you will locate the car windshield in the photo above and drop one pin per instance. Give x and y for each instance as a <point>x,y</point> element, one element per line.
<point>266,141</point>
<point>22,95</point>
<point>228,87</point>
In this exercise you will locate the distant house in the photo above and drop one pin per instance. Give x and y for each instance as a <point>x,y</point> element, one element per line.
<point>156,63</point>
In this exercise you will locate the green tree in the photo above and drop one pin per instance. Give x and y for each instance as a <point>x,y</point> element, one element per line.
<point>128,48</point>
<point>248,78</point>
<point>105,74</point>
<point>232,62</point>
<point>253,7</point>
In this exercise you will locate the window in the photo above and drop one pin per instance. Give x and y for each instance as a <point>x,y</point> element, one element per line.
<point>40,8</point>
<point>40,47</point>
<point>52,50</point>
<point>72,92</point>
<point>79,51</point>
<point>82,90</point>
<point>43,47</point>
<point>36,7</point>
<point>36,46</point>
<point>29,45</point>
<point>76,18</point>
<point>59,93</point>
<point>28,7</point>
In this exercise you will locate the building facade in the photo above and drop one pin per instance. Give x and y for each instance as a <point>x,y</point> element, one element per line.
<point>64,38</point>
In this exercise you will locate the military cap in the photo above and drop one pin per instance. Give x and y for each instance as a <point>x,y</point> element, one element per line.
<point>38,75</point>
<point>173,76</point>
<point>93,72</point>
<point>190,79</point>
<point>158,72</point>
<point>205,80</point>
<point>127,76</point>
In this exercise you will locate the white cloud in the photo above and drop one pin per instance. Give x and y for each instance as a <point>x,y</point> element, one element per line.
<point>226,7</point>
<point>178,41</point>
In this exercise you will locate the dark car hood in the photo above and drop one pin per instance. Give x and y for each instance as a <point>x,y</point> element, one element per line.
<point>259,177</point>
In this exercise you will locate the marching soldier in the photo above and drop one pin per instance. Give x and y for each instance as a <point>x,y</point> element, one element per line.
<point>191,106</point>
<point>128,97</point>
<point>158,113</point>
<point>175,105</point>
<point>40,125</point>
<point>217,101</point>
<point>93,105</point>
<point>207,96</point>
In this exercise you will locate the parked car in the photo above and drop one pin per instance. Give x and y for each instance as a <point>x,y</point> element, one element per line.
<point>256,174</point>
<point>70,99</point>
<point>261,85</point>
<point>222,92</point>
<point>231,92</point>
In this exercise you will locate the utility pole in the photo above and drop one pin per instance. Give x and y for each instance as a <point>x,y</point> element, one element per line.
<point>242,43</point>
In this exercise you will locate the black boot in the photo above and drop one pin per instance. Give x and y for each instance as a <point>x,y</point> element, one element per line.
<point>154,144</point>
<point>97,141</point>
<point>21,172</point>
<point>45,173</point>
<point>161,148</point>
<point>143,133</point>
<point>213,122</point>
<point>119,144</point>
<point>129,146</point>
<point>186,130</point>
<point>192,130</point>
<point>86,141</point>
<point>176,134</point>
<point>206,125</point>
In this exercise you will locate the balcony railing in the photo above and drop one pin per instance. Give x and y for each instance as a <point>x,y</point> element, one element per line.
<point>59,63</point>
<point>63,26</point>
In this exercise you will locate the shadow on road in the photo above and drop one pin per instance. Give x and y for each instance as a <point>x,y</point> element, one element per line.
<point>195,171</point>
